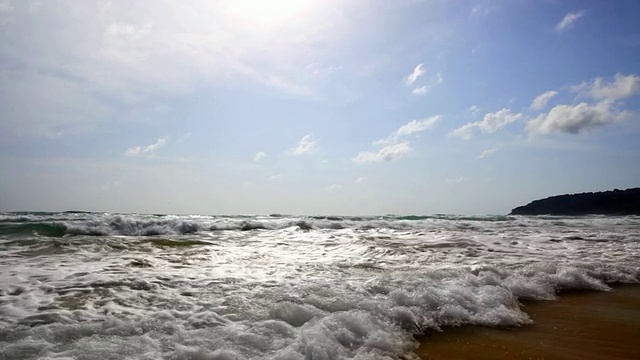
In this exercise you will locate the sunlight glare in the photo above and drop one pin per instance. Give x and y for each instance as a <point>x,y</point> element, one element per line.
<point>268,13</point>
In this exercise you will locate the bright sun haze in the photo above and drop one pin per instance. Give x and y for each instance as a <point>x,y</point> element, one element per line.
<point>269,12</point>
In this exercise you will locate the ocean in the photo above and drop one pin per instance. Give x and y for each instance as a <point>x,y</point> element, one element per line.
<point>84,285</point>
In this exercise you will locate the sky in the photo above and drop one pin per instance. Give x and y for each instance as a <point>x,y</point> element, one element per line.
<point>359,107</point>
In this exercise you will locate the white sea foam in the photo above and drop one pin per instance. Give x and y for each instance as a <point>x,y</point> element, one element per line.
<point>103,286</point>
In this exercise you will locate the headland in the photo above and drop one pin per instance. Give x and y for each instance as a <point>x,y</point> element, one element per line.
<point>614,202</point>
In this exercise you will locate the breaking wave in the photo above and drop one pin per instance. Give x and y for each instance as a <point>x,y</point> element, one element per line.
<point>286,287</point>
<point>101,224</point>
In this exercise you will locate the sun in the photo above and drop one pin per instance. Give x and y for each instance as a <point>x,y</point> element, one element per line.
<point>268,12</point>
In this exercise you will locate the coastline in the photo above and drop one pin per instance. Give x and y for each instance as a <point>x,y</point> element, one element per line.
<point>578,325</point>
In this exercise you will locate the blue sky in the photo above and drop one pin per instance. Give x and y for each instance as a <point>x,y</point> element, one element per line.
<point>315,107</point>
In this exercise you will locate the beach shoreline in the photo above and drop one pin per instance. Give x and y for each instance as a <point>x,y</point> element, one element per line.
<point>578,325</point>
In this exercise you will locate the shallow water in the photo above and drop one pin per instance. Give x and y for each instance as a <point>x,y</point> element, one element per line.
<point>113,286</point>
<point>579,326</point>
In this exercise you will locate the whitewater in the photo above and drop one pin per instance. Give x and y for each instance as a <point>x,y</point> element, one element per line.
<point>80,285</point>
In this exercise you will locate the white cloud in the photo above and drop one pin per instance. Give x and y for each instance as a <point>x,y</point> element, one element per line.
<point>305,146</point>
<point>415,126</point>
<point>277,177</point>
<point>484,9</point>
<point>334,187</point>
<point>541,100</point>
<point>621,87</point>
<point>464,131</point>
<point>387,153</point>
<point>121,29</point>
<point>393,149</point>
<point>586,116</point>
<point>494,121</point>
<point>361,179</point>
<point>417,72</point>
<point>420,90</point>
<point>285,84</point>
<point>473,109</point>
<point>569,19</point>
<point>489,124</point>
<point>133,151</point>
<point>459,180</point>
<point>574,119</point>
<point>153,147</point>
<point>423,89</point>
<point>259,155</point>
<point>149,150</point>
<point>488,152</point>
<point>322,71</point>
<point>409,128</point>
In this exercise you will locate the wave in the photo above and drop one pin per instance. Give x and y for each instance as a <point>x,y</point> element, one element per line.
<point>150,227</point>
<point>329,320</point>
<point>117,226</point>
<point>134,227</point>
<point>44,229</point>
<point>103,224</point>
<point>451,217</point>
<point>281,293</point>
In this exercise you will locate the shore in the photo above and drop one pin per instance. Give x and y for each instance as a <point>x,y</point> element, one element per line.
<point>578,325</point>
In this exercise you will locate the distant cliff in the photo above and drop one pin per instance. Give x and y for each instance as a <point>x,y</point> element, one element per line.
<point>616,202</point>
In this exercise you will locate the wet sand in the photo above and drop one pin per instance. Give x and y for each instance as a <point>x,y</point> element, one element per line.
<point>580,325</point>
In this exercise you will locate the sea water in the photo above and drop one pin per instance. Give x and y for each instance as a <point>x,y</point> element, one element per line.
<point>79,285</point>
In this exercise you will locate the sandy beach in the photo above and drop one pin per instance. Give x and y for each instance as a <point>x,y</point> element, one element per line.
<point>579,325</point>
